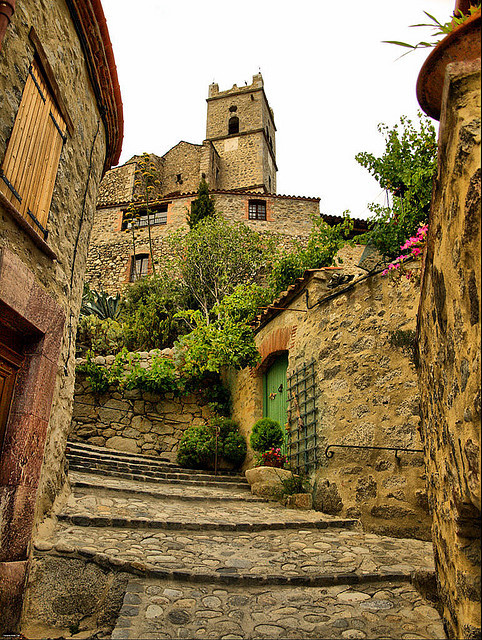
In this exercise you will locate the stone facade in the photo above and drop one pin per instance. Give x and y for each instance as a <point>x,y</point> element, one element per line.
<point>365,392</point>
<point>449,338</point>
<point>110,253</point>
<point>41,275</point>
<point>133,420</point>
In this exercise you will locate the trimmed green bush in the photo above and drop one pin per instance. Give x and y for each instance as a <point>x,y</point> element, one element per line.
<point>266,434</point>
<point>234,448</point>
<point>197,447</point>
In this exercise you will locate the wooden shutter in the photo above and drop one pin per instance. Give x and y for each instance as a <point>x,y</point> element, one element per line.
<point>32,157</point>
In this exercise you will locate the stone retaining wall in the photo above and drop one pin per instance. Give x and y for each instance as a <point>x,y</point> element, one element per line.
<point>133,420</point>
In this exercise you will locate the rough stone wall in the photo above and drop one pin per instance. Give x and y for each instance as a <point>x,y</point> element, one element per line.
<point>366,394</point>
<point>241,161</point>
<point>108,261</point>
<point>245,158</point>
<point>71,218</point>
<point>449,339</point>
<point>184,159</point>
<point>133,420</point>
<point>117,185</point>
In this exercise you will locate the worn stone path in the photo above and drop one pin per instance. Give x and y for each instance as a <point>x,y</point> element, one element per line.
<point>209,562</point>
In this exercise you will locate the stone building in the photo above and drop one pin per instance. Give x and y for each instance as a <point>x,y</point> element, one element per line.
<point>332,372</point>
<point>60,128</point>
<point>238,161</point>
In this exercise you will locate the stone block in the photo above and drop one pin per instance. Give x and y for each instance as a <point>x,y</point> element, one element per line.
<point>266,481</point>
<point>326,497</point>
<point>141,424</point>
<point>122,444</point>
<point>299,501</point>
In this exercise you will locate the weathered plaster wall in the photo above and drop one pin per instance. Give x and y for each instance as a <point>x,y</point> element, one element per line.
<point>366,394</point>
<point>133,420</point>
<point>449,328</point>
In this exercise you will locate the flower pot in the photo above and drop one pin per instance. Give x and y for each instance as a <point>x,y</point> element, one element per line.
<point>461,45</point>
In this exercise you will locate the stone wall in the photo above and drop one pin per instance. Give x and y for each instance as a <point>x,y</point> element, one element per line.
<point>365,392</point>
<point>133,420</point>
<point>449,338</point>
<point>41,284</point>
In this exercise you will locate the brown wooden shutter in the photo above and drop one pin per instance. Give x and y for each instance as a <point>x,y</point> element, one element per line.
<point>32,157</point>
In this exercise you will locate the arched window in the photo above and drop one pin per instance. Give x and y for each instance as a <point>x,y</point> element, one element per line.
<point>233,126</point>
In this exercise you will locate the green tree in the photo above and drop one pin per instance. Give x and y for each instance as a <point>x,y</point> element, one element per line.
<point>148,312</point>
<point>228,340</point>
<point>202,207</point>
<point>216,256</point>
<point>405,170</point>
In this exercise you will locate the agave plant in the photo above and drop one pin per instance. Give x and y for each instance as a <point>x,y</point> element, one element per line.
<point>100,304</point>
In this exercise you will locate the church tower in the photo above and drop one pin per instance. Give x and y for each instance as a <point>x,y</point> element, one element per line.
<point>240,126</point>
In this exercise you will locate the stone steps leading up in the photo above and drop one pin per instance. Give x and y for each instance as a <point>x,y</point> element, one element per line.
<point>88,459</point>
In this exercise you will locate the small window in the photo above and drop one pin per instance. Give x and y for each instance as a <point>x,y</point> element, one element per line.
<point>257,210</point>
<point>233,126</point>
<point>139,266</point>
<point>31,161</point>
<point>179,178</point>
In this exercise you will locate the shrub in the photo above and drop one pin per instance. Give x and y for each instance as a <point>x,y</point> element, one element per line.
<point>102,337</point>
<point>198,445</point>
<point>234,448</point>
<point>266,434</point>
<point>295,484</point>
<point>159,378</point>
<point>197,448</point>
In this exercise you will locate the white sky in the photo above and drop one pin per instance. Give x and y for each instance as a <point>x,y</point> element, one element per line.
<point>327,75</point>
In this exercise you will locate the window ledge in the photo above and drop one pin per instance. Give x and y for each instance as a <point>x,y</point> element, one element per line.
<point>29,230</point>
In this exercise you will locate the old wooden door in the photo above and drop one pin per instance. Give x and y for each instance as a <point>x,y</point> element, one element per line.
<point>10,362</point>
<point>275,402</point>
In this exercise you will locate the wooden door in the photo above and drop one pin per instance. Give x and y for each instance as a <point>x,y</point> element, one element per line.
<point>11,359</point>
<point>275,403</point>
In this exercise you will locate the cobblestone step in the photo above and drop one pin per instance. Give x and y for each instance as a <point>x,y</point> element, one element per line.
<point>154,609</point>
<point>147,476</point>
<point>82,482</point>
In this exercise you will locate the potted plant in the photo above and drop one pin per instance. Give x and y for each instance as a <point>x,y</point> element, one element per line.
<point>462,43</point>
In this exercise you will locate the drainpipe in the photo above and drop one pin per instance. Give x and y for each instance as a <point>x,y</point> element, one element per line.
<point>7,9</point>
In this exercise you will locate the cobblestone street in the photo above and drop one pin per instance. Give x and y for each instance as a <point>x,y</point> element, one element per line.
<point>207,559</point>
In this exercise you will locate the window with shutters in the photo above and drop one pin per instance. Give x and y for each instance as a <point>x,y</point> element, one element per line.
<point>29,169</point>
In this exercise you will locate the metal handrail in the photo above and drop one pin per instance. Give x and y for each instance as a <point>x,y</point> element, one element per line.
<point>330,454</point>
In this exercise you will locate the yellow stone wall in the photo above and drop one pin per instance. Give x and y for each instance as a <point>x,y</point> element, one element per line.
<point>449,327</point>
<point>366,394</point>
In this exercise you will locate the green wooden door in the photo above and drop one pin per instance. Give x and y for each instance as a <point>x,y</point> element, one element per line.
<point>275,401</point>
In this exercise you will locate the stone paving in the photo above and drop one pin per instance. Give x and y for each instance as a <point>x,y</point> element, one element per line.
<point>154,610</point>
<point>209,562</point>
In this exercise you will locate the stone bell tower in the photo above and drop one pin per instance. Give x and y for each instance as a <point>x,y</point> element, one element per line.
<point>240,125</point>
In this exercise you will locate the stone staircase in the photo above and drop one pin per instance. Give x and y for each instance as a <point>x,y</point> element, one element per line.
<point>206,559</point>
<point>86,458</point>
